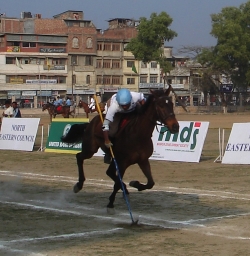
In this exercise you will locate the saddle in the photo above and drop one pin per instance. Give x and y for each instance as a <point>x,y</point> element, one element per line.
<point>120,121</point>
<point>59,108</point>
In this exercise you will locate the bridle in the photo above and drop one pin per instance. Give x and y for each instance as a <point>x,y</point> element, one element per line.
<point>162,116</point>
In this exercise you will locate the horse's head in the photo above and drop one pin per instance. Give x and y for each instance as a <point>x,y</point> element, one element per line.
<point>165,109</point>
<point>80,103</point>
<point>44,107</point>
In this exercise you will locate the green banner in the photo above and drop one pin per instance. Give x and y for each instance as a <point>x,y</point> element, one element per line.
<point>58,128</point>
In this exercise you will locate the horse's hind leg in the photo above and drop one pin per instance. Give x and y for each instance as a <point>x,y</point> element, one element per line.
<point>146,169</point>
<point>78,186</point>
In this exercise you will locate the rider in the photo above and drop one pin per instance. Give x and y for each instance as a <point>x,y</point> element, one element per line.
<point>58,103</point>
<point>123,101</point>
<point>68,102</point>
<point>92,104</point>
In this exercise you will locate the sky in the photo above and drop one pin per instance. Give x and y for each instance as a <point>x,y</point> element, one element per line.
<point>191,18</point>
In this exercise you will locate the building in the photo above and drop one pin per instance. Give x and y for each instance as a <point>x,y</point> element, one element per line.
<point>67,55</point>
<point>42,58</point>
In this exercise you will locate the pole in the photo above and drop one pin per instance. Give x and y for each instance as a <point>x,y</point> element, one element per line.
<point>39,82</point>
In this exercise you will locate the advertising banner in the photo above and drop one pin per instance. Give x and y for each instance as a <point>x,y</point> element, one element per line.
<point>185,146</point>
<point>60,127</point>
<point>238,146</point>
<point>18,133</point>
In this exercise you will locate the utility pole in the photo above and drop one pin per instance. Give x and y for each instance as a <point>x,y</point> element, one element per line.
<point>72,82</point>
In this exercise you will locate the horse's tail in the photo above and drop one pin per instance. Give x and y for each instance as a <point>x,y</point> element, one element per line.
<point>75,133</point>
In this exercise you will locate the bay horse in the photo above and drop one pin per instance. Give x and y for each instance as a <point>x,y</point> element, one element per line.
<point>64,111</point>
<point>86,108</point>
<point>132,144</point>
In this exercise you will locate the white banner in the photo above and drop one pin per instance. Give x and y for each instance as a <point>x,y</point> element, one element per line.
<point>238,146</point>
<point>185,146</point>
<point>18,133</point>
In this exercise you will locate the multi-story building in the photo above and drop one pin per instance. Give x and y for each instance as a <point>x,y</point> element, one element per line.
<point>41,58</point>
<point>67,55</point>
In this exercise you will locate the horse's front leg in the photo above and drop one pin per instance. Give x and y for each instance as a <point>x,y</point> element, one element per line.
<point>111,172</point>
<point>78,186</point>
<point>146,169</point>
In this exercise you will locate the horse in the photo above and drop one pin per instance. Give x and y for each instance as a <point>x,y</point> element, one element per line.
<point>53,111</point>
<point>132,144</point>
<point>87,110</point>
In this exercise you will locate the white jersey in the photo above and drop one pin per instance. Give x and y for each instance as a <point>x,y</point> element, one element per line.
<point>115,108</point>
<point>8,111</point>
<point>92,103</point>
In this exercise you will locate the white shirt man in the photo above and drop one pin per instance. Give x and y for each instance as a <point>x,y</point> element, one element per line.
<point>8,112</point>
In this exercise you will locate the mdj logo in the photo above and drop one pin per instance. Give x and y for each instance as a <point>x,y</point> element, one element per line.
<point>185,135</point>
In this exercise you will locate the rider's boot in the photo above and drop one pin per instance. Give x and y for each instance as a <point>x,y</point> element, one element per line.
<point>107,157</point>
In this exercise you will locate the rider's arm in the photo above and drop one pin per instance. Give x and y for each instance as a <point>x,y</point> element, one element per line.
<point>105,128</point>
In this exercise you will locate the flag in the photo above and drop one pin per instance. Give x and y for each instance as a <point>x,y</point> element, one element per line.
<point>134,69</point>
<point>18,63</point>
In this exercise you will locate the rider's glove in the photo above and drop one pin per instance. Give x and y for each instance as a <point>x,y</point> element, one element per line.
<point>108,144</point>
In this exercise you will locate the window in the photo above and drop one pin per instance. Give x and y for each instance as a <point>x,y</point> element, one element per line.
<point>153,64</point>
<point>29,44</point>
<point>98,63</point>
<point>116,80</point>
<point>88,79</point>
<point>73,60</point>
<point>106,63</point>
<point>130,80</point>
<point>116,47</point>
<point>99,79</point>
<point>10,60</point>
<point>58,61</point>
<point>143,65</point>
<point>116,64</point>
<point>143,79</point>
<point>153,79</point>
<point>61,80</point>
<point>99,46</point>
<point>130,64</point>
<point>107,47</point>
<point>13,43</point>
<point>88,61</point>
<point>107,80</point>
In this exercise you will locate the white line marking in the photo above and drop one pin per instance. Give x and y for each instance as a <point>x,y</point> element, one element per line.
<point>106,183</point>
<point>228,237</point>
<point>66,236</point>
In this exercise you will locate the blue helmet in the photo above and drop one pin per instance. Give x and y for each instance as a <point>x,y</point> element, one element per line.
<point>123,97</point>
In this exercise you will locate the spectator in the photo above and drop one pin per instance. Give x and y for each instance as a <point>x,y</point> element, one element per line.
<point>16,110</point>
<point>8,112</point>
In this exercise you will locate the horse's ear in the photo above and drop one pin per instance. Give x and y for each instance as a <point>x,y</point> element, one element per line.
<point>167,91</point>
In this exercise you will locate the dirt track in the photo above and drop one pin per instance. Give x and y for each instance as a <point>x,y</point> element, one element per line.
<point>194,208</point>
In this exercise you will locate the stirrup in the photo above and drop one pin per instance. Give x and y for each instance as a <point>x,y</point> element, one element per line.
<point>107,158</point>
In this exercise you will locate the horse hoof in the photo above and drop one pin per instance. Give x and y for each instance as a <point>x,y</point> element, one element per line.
<point>134,184</point>
<point>111,211</point>
<point>76,189</point>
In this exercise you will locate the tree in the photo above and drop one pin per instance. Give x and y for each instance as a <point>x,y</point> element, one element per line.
<point>152,33</point>
<point>231,54</point>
